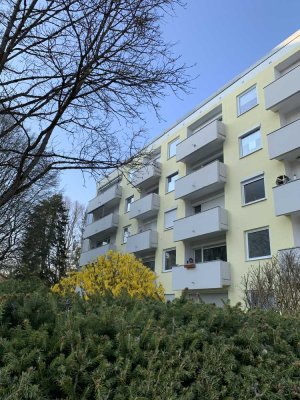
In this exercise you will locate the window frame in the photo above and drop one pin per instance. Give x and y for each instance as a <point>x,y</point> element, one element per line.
<point>128,204</point>
<point>123,235</point>
<point>166,212</point>
<point>247,182</point>
<point>247,244</point>
<point>177,139</point>
<point>245,135</point>
<point>238,97</point>
<point>210,246</point>
<point>167,181</point>
<point>164,259</point>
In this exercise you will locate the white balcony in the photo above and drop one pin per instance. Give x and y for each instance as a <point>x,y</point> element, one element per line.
<point>103,226</point>
<point>147,176</point>
<point>284,93</point>
<point>284,143</point>
<point>92,254</point>
<point>202,225</point>
<point>207,275</point>
<point>109,197</point>
<point>207,180</point>
<point>202,143</point>
<point>146,207</point>
<point>142,242</point>
<point>287,198</point>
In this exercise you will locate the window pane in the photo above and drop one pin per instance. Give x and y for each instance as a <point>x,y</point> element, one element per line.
<point>254,190</point>
<point>126,234</point>
<point>172,148</point>
<point>215,253</point>
<point>247,100</point>
<point>198,256</point>
<point>170,217</point>
<point>129,200</point>
<point>170,259</point>
<point>259,244</point>
<point>171,182</point>
<point>250,143</point>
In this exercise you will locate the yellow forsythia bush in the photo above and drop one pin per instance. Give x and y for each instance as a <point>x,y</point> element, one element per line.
<point>114,272</point>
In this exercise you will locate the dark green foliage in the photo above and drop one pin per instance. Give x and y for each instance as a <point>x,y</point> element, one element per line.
<point>124,349</point>
<point>44,253</point>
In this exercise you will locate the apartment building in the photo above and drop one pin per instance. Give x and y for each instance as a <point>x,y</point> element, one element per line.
<point>222,190</point>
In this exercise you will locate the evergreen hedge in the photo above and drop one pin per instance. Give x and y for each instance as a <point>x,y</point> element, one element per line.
<point>125,349</point>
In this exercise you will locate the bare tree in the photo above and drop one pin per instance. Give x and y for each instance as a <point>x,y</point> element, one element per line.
<point>274,284</point>
<point>68,70</point>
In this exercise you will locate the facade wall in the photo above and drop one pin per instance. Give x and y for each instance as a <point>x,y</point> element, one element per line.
<point>284,230</point>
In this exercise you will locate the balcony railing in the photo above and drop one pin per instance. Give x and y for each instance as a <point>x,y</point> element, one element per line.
<point>207,275</point>
<point>207,180</point>
<point>207,140</point>
<point>109,197</point>
<point>92,254</point>
<point>145,207</point>
<point>284,93</point>
<point>286,198</point>
<point>103,226</point>
<point>142,242</point>
<point>147,176</point>
<point>204,224</point>
<point>284,143</point>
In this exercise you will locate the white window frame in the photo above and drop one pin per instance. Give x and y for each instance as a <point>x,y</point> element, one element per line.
<point>167,181</point>
<point>170,144</point>
<point>128,204</point>
<point>169,211</point>
<point>126,236</point>
<point>250,180</point>
<point>243,94</point>
<point>247,244</point>
<point>210,246</point>
<point>246,135</point>
<point>164,259</point>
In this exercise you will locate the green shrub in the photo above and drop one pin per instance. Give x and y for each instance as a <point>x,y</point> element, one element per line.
<point>126,349</point>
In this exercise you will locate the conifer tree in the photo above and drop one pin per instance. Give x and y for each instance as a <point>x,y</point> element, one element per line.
<point>44,252</point>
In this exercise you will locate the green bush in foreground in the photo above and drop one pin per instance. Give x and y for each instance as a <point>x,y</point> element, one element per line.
<point>126,349</point>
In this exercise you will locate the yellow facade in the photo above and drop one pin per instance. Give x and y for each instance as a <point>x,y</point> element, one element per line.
<point>281,64</point>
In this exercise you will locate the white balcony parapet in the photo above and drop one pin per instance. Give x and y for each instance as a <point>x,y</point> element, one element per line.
<point>201,143</point>
<point>204,224</point>
<point>284,143</point>
<point>92,254</point>
<point>104,225</point>
<point>147,176</point>
<point>111,197</point>
<point>283,94</point>
<point>287,198</point>
<point>207,275</point>
<point>204,181</point>
<point>142,241</point>
<point>145,207</point>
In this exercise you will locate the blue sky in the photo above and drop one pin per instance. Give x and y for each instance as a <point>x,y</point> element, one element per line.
<point>221,38</point>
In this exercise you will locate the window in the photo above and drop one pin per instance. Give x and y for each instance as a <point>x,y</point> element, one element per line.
<point>247,100</point>
<point>126,233</point>
<point>150,264</point>
<point>253,189</point>
<point>258,244</point>
<point>128,202</point>
<point>250,143</point>
<point>103,242</point>
<point>172,148</point>
<point>207,254</point>
<point>169,259</point>
<point>170,217</point>
<point>197,209</point>
<point>171,182</point>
